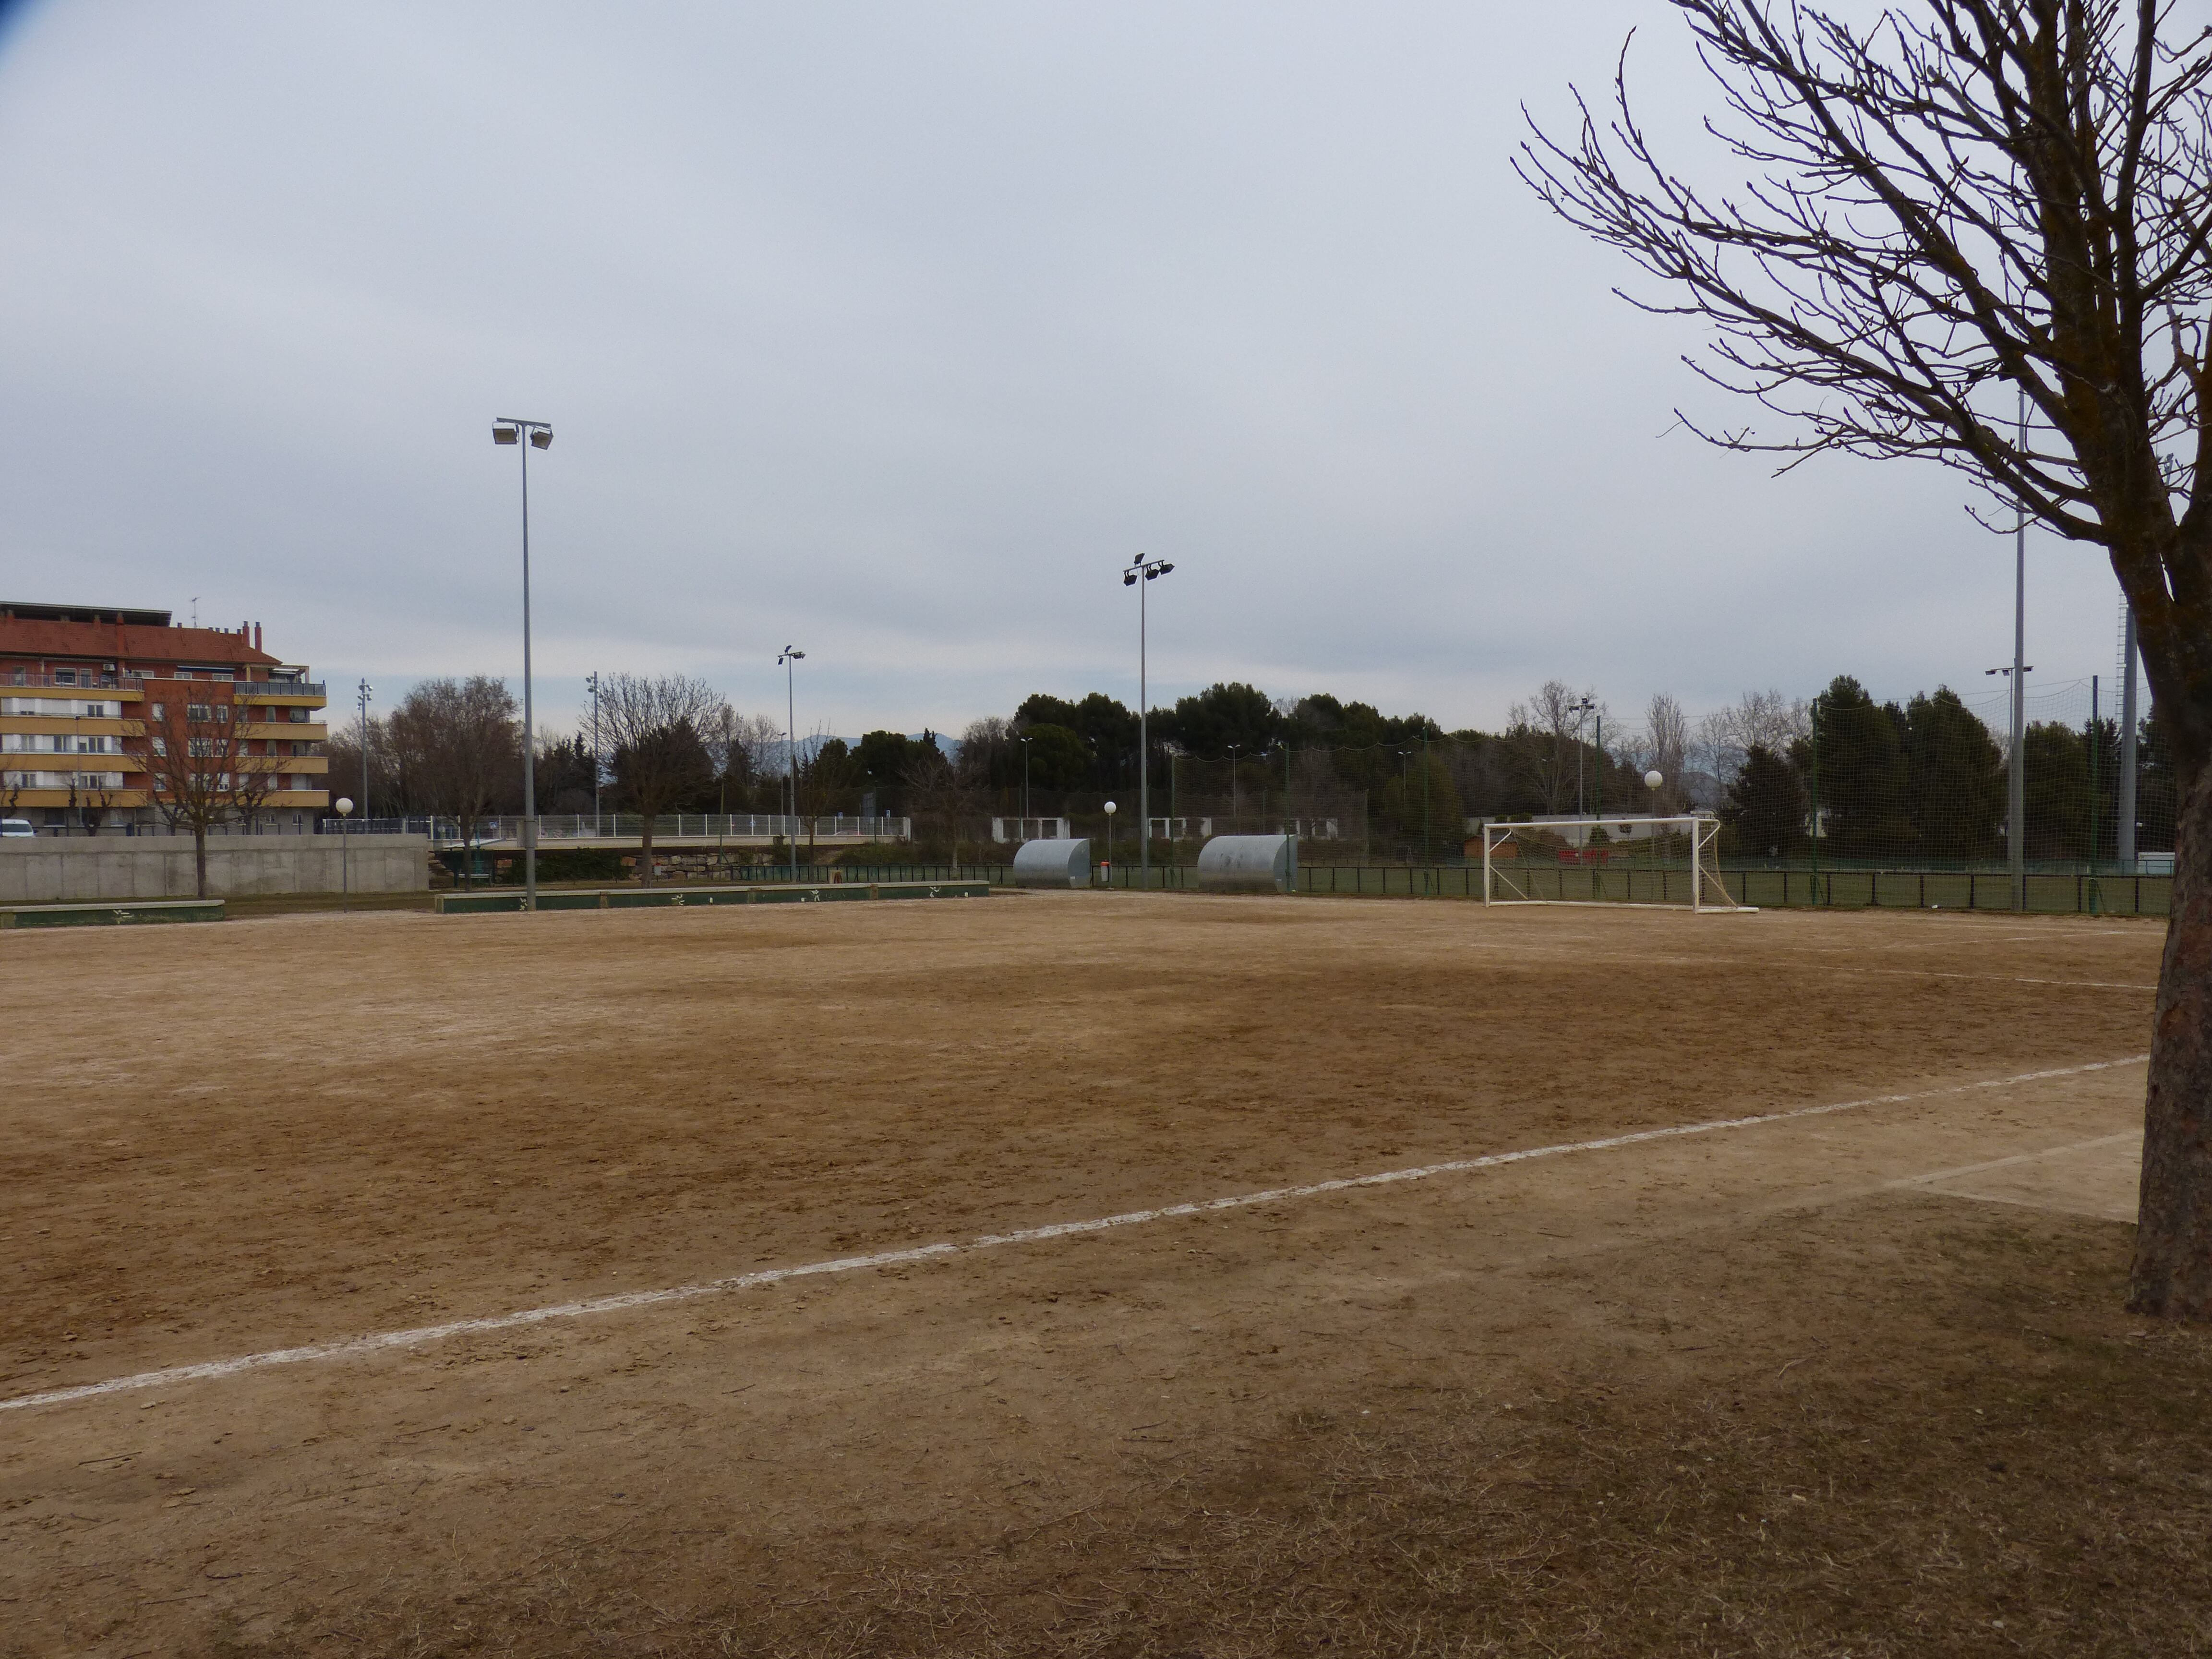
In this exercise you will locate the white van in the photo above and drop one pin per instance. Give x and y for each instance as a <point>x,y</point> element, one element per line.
<point>10,827</point>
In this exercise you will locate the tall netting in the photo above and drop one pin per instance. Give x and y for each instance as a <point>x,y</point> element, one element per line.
<point>1840,796</point>
<point>1840,781</point>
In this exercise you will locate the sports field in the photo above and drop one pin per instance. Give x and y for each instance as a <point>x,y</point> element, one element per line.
<point>1848,1381</point>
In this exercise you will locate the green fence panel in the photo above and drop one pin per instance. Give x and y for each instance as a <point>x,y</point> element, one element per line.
<point>129,913</point>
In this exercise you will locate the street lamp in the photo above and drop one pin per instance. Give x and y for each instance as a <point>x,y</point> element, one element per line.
<point>1109,867</point>
<point>1025,743</point>
<point>1234,827</point>
<point>345,856</point>
<point>592,682</point>
<point>363,693</point>
<point>508,431</point>
<point>788,661</point>
<point>1140,574</point>
<point>1580,712</point>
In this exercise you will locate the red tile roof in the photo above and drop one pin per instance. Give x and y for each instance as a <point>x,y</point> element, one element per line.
<point>128,643</point>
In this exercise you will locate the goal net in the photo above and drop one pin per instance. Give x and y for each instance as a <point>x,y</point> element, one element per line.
<point>1658,861</point>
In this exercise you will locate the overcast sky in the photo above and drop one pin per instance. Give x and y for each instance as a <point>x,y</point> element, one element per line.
<point>893,331</point>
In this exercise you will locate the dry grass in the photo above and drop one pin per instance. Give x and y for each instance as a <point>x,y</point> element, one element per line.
<point>1990,1459</point>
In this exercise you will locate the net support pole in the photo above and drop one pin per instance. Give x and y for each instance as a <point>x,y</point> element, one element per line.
<point>2125,844</point>
<point>1485,864</point>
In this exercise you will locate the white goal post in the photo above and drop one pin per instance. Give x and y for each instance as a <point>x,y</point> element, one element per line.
<point>1670,862</point>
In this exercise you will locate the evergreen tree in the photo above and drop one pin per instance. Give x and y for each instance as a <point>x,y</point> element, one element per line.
<point>1955,773</point>
<point>1767,808</point>
<point>1864,796</point>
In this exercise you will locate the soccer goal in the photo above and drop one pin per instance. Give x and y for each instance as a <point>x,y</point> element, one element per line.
<point>1673,862</point>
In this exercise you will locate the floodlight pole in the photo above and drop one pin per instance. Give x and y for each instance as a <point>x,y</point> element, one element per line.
<point>789,662</point>
<point>593,682</point>
<point>1025,743</point>
<point>1233,827</point>
<point>1582,716</point>
<point>1141,573</point>
<point>526,435</point>
<point>363,693</point>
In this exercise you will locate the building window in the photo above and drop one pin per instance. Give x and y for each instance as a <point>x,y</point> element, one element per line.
<point>160,713</point>
<point>65,677</point>
<point>199,711</point>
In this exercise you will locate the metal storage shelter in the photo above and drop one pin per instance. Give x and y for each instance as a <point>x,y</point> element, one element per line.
<point>1059,862</point>
<point>1248,864</point>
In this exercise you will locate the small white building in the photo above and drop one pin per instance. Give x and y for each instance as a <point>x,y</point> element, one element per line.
<point>1021,830</point>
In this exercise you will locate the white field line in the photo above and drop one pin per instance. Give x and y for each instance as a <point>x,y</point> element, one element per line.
<point>2018,1158</point>
<point>1724,962</point>
<point>2003,979</point>
<point>352,1348</point>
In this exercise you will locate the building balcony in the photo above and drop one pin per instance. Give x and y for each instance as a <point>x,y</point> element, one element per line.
<point>83,679</point>
<point>277,692</point>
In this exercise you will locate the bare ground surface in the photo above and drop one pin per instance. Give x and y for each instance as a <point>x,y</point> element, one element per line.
<point>1845,1384</point>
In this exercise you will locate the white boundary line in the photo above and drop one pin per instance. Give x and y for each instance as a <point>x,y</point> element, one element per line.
<point>352,1348</point>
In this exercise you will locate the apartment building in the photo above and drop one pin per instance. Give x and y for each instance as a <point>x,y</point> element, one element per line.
<point>79,686</point>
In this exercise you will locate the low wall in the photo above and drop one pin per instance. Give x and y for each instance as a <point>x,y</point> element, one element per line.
<point>69,869</point>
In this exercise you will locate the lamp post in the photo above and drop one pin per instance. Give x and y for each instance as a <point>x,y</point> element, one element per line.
<point>1140,574</point>
<point>1580,712</point>
<point>540,435</point>
<point>363,693</point>
<point>345,856</point>
<point>1108,866</point>
<point>592,682</point>
<point>1025,743</point>
<point>789,662</point>
<point>1234,827</point>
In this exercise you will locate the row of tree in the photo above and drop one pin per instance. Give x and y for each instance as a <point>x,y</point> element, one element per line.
<point>1920,779</point>
<point>1927,782</point>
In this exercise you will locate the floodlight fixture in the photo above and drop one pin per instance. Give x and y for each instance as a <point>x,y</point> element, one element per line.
<point>541,437</point>
<point>506,435</point>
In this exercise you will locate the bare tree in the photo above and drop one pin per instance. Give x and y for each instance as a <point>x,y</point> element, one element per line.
<point>192,747</point>
<point>382,784</point>
<point>1663,746</point>
<point>744,749</point>
<point>1758,719</point>
<point>460,745</point>
<point>1554,717</point>
<point>1956,206</point>
<point>253,778</point>
<point>654,728</point>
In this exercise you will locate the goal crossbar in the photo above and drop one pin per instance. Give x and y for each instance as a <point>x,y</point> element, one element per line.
<point>1667,863</point>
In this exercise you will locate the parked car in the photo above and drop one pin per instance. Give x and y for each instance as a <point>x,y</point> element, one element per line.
<point>10,827</point>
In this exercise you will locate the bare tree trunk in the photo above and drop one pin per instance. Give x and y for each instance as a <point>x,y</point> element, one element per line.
<point>199,857</point>
<point>645,849</point>
<point>2172,1274</point>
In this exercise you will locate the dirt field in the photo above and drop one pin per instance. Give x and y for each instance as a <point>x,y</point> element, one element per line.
<point>1852,1382</point>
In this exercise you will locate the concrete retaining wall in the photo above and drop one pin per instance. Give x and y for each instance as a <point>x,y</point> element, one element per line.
<point>67,869</point>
